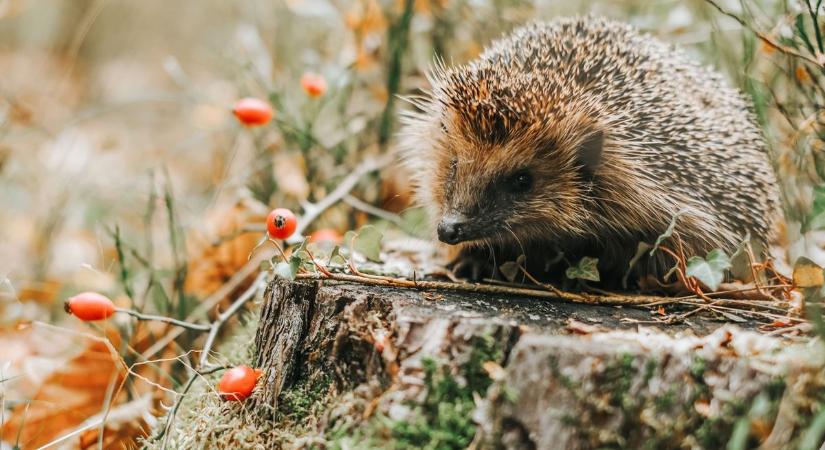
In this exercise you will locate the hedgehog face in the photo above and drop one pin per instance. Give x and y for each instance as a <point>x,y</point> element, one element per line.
<point>500,156</point>
<point>517,181</point>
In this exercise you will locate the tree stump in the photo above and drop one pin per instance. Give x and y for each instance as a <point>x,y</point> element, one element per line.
<point>441,369</point>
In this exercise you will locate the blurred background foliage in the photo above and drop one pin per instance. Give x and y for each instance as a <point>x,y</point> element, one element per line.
<point>122,169</point>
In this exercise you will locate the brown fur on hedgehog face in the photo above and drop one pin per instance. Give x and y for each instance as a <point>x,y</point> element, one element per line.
<point>497,178</point>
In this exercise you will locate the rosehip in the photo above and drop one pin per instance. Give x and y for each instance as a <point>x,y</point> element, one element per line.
<point>326,235</point>
<point>89,306</point>
<point>237,383</point>
<point>281,223</point>
<point>252,111</point>
<point>314,84</point>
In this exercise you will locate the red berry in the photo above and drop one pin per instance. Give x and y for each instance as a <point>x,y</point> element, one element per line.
<point>237,383</point>
<point>253,111</point>
<point>326,235</point>
<point>314,84</point>
<point>281,223</point>
<point>89,306</point>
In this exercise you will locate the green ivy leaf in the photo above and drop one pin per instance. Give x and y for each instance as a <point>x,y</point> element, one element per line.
<point>710,270</point>
<point>718,259</point>
<point>289,270</point>
<point>414,222</point>
<point>348,237</point>
<point>668,233</point>
<point>368,242</point>
<point>586,269</point>
<point>336,257</point>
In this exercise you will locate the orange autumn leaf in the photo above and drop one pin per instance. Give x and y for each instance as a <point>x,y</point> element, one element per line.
<point>220,250</point>
<point>44,292</point>
<point>69,396</point>
<point>124,423</point>
<point>122,437</point>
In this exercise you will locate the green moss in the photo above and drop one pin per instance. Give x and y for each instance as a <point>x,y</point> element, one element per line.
<point>443,420</point>
<point>664,402</point>
<point>303,399</point>
<point>650,369</point>
<point>698,368</point>
<point>619,378</point>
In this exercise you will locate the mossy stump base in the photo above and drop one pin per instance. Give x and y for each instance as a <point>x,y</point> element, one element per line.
<point>391,368</point>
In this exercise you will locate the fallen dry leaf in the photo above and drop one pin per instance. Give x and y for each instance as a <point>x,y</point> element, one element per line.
<point>220,250</point>
<point>68,396</point>
<point>123,424</point>
<point>807,273</point>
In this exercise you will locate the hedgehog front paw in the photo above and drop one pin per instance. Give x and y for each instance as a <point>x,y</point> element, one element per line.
<point>473,265</point>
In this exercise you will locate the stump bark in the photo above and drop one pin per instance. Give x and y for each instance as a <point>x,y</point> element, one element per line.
<point>457,370</point>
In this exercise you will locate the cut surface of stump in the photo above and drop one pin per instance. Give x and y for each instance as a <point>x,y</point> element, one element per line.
<point>440,369</point>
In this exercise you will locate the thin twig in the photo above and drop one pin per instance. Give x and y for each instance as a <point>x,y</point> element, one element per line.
<point>512,289</point>
<point>318,265</point>
<point>180,323</point>
<point>549,287</point>
<point>759,313</point>
<point>752,263</point>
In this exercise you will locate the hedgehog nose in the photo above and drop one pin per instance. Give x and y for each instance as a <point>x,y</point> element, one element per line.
<point>450,229</point>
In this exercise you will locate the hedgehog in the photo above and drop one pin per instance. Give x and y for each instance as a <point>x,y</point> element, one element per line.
<point>584,137</point>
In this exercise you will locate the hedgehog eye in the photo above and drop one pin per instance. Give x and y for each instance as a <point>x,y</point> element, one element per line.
<point>520,182</point>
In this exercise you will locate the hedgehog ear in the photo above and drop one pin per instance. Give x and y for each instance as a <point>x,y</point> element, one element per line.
<point>590,153</point>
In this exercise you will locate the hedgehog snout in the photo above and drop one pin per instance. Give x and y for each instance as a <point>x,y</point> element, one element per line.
<point>453,228</point>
